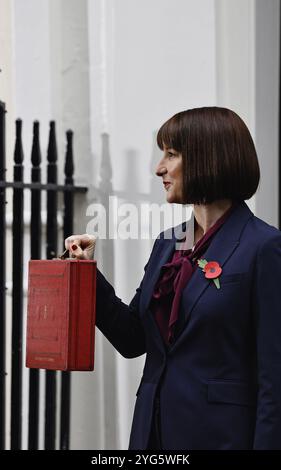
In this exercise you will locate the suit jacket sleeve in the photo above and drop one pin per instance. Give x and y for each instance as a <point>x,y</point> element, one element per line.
<point>268,309</point>
<point>120,323</point>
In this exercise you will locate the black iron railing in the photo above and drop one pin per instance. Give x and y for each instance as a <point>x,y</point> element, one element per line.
<point>34,188</point>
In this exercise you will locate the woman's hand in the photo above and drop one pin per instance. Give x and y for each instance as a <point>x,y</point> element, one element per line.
<point>81,246</point>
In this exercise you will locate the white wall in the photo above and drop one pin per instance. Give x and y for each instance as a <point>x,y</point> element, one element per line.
<point>7,96</point>
<point>267,106</point>
<point>114,72</point>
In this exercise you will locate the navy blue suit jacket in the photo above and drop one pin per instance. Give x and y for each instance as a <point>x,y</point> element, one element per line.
<point>220,382</point>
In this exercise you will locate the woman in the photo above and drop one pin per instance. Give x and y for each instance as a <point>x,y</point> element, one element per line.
<point>207,313</point>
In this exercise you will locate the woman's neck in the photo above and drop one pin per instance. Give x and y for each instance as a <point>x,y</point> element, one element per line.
<point>205,216</point>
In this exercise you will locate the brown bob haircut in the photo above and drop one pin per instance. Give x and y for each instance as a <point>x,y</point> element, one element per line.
<point>218,152</point>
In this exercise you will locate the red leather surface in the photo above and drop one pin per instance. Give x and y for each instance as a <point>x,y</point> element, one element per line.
<point>61,314</point>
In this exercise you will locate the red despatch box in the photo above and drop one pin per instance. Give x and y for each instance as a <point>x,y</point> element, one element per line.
<point>61,314</point>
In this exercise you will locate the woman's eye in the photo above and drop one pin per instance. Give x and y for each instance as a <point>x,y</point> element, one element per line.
<point>171,154</point>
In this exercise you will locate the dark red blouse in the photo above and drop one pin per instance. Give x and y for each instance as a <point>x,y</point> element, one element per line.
<point>174,277</point>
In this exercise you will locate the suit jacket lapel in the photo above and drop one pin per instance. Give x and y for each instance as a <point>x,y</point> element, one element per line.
<point>220,249</point>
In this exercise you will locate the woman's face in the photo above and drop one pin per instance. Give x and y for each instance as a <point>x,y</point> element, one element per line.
<point>170,170</point>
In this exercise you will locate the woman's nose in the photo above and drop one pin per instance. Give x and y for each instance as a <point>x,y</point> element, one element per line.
<point>160,169</point>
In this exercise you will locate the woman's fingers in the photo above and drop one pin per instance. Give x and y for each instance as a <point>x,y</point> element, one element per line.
<point>69,241</point>
<point>81,246</point>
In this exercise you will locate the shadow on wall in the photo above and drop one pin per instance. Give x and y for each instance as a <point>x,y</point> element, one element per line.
<point>107,255</point>
<point>134,197</point>
<point>131,262</point>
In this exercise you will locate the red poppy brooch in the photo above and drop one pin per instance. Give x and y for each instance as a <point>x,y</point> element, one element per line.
<point>211,269</point>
